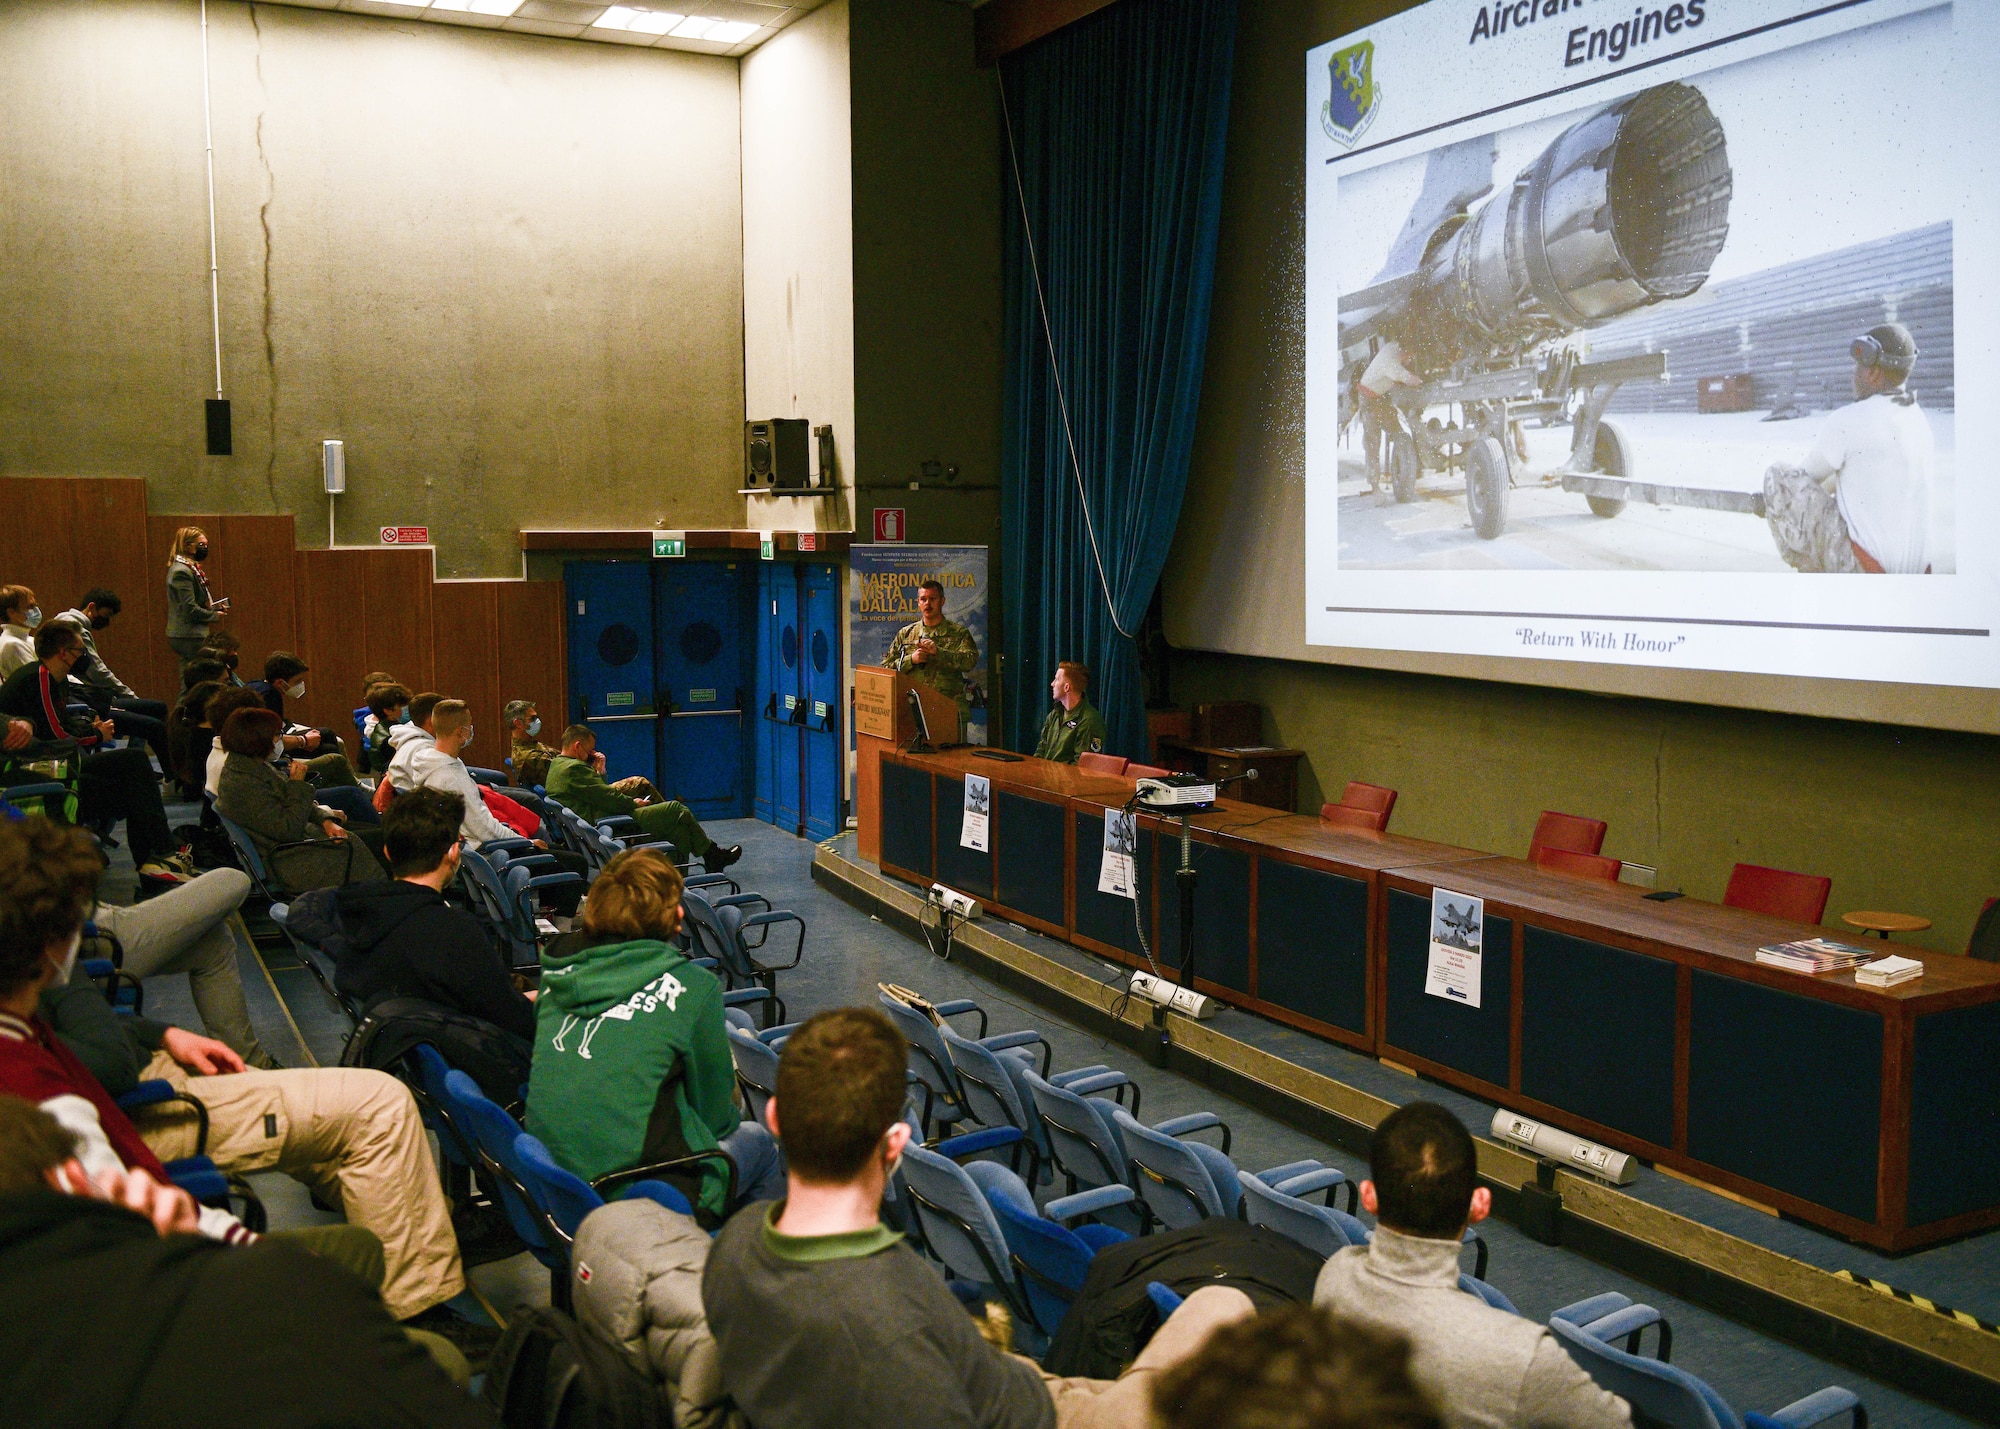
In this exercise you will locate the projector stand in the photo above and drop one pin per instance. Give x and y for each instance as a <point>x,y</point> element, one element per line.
<point>1185,878</point>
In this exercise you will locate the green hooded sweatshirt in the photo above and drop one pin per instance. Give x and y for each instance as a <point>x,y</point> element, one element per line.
<point>632,1062</point>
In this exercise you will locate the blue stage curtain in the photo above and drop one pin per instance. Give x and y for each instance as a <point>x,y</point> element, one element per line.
<point>1118,125</point>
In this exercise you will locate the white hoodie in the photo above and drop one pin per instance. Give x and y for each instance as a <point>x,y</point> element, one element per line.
<point>419,764</point>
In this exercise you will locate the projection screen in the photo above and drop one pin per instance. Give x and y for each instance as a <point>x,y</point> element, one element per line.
<point>1632,343</point>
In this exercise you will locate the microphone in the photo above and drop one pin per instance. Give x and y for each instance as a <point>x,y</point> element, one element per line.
<point>1249,775</point>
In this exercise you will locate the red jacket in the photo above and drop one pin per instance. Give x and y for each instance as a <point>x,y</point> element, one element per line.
<point>35,1066</point>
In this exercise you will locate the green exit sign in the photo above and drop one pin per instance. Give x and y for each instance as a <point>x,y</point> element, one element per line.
<point>669,545</point>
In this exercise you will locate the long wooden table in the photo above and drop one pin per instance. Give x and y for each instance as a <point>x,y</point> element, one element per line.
<point>1648,1026</point>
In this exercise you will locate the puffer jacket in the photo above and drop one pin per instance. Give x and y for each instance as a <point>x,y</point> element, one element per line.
<point>638,1272</point>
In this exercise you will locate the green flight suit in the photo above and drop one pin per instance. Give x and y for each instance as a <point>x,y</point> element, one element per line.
<point>955,654</point>
<point>1068,733</point>
<point>531,761</point>
<point>583,791</point>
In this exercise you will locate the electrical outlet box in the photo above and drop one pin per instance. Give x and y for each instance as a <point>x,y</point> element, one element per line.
<point>953,902</point>
<point>1162,993</point>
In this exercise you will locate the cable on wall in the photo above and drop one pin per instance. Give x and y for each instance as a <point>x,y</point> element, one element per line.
<point>1055,368</point>
<point>208,143</point>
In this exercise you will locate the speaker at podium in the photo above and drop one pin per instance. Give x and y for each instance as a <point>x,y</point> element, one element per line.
<point>891,711</point>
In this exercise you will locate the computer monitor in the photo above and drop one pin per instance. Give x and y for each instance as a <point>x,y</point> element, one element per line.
<point>922,744</point>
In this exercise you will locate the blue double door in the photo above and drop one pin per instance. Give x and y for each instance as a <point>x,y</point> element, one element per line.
<point>799,707</point>
<point>704,676</point>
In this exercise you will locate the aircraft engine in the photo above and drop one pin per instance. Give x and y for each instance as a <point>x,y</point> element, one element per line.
<point>1625,208</point>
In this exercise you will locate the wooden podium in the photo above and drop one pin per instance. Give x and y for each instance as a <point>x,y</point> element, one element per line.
<point>883,720</point>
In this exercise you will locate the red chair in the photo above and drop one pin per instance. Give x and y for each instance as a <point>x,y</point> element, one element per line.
<point>1972,947</point>
<point>1146,771</point>
<point>1800,897</point>
<point>1361,806</point>
<point>1567,831</point>
<point>1101,763</point>
<point>1578,865</point>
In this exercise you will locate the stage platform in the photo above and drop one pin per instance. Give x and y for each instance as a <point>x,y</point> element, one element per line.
<point>1786,1278</point>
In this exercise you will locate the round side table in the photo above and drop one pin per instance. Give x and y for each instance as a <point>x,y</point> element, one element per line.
<point>1885,923</point>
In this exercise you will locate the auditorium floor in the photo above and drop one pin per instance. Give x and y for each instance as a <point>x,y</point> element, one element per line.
<point>848,952</point>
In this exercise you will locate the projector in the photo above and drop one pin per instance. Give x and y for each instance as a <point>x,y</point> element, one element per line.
<point>1161,993</point>
<point>1572,1151</point>
<point>953,902</point>
<point>1175,791</point>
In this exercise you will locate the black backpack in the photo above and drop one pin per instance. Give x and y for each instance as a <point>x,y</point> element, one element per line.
<point>495,1059</point>
<point>1113,1318</point>
<point>549,1372</point>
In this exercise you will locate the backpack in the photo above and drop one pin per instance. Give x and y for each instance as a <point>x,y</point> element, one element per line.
<point>1113,1317</point>
<point>496,1061</point>
<point>549,1372</point>
<point>50,761</point>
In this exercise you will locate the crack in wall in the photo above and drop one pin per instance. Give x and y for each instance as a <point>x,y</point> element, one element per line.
<point>264,222</point>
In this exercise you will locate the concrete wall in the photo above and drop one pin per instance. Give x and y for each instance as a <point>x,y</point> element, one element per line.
<point>928,166</point>
<point>798,251</point>
<point>1900,818</point>
<point>506,270</point>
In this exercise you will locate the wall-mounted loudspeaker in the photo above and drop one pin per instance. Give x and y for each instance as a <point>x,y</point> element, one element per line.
<point>333,466</point>
<point>216,414</point>
<point>774,453</point>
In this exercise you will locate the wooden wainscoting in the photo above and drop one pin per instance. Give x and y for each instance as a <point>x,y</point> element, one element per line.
<point>347,611</point>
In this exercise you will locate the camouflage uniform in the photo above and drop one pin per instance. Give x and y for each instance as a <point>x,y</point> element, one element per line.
<point>531,761</point>
<point>1069,733</point>
<point>955,654</point>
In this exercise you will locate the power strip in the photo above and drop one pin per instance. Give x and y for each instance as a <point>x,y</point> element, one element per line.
<point>1162,993</point>
<point>953,902</point>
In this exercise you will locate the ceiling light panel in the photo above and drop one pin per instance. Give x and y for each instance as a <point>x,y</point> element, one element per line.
<point>729,32</point>
<point>637,21</point>
<point>478,7</point>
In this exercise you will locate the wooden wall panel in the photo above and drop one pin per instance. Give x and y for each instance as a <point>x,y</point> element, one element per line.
<point>346,611</point>
<point>466,619</point>
<point>533,664</point>
<point>110,513</point>
<point>65,534</point>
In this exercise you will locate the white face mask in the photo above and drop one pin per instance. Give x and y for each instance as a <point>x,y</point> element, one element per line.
<point>278,747</point>
<point>298,691</point>
<point>67,962</point>
<point>33,618</point>
<point>466,743</point>
<point>535,725</point>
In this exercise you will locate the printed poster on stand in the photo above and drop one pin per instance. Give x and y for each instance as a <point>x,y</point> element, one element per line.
<point>1118,873</point>
<point>1458,934</point>
<point>978,803</point>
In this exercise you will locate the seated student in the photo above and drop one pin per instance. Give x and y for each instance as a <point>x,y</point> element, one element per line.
<point>434,762</point>
<point>531,757</point>
<point>224,647</point>
<point>114,783</point>
<point>274,810</point>
<point>1295,1368</point>
<point>404,940</point>
<point>285,679</point>
<point>20,617</point>
<point>204,667</point>
<point>225,702</point>
<point>104,691</point>
<point>388,706</point>
<point>277,1333</point>
<point>190,738</point>
<point>350,1134</point>
<point>575,778</point>
<point>632,1060</point>
<point>1481,1366</point>
<point>188,930</point>
<point>825,1318</point>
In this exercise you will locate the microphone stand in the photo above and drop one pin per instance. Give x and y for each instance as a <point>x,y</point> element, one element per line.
<point>1185,879</point>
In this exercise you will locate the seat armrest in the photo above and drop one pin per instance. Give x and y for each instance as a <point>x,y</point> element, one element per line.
<point>1099,1082</point>
<point>1324,1179</point>
<point>1817,1408</point>
<point>767,920</point>
<point>971,1143</point>
<point>531,860</point>
<point>1001,1042</point>
<point>1288,1171</point>
<point>1595,1308</point>
<point>661,1193</point>
<point>1084,1203</point>
<point>1180,1126</point>
<point>958,1007</point>
<point>1626,1324</point>
<point>510,846</point>
<point>742,900</point>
